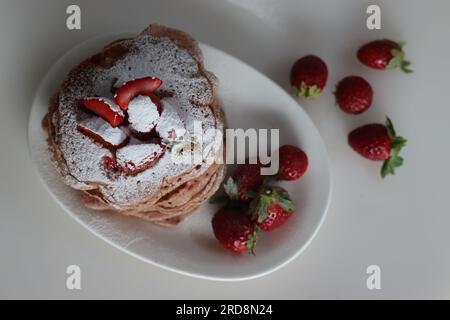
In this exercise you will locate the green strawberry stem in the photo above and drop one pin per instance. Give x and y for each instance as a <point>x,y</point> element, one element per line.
<point>267,197</point>
<point>397,143</point>
<point>398,60</point>
<point>231,189</point>
<point>252,239</point>
<point>306,91</point>
<point>404,67</point>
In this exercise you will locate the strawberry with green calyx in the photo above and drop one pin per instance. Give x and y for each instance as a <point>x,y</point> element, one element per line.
<point>379,142</point>
<point>245,180</point>
<point>271,207</point>
<point>384,54</point>
<point>242,185</point>
<point>234,230</point>
<point>308,76</point>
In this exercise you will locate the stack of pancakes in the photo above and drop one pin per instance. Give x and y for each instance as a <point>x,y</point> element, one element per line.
<point>168,191</point>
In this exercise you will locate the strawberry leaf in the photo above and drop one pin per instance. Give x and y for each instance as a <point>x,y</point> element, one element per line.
<point>398,60</point>
<point>390,128</point>
<point>252,239</point>
<point>401,44</point>
<point>397,143</point>
<point>262,208</point>
<point>282,198</point>
<point>405,66</point>
<point>390,165</point>
<point>231,188</point>
<point>313,91</point>
<point>267,197</point>
<point>306,91</point>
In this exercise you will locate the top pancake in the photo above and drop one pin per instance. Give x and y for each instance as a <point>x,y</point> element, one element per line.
<point>174,57</point>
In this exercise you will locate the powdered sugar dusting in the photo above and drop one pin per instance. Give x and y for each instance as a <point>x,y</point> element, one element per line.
<point>170,126</point>
<point>101,128</point>
<point>191,98</point>
<point>143,114</point>
<point>136,156</point>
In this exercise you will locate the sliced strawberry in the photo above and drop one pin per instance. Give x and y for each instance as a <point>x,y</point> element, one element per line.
<point>139,157</point>
<point>106,109</point>
<point>156,101</point>
<point>131,89</point>
<point>111,165</point>
<point>102,132</point>
<point>143,114</point>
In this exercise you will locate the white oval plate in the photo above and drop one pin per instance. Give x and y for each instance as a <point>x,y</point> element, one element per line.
<point>250,100</point>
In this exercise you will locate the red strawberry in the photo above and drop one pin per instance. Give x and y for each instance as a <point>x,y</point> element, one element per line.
<point>156,101</point>
<point>384,54</point>
<point>234,230</point>
<point>111,165</point>
<point>271,208</point>
<point>144,86</point>
<point>246,179</point>
<point>378,142</point>
<point>106,109</point>
<point>309,76</point>
<point>354,95</point>
<point>293,163</point>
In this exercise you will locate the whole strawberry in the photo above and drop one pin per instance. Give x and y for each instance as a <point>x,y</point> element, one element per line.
<point>245,180</point>
<point>380,143</point>
<point>309,76</point>
<point>353,95</point>
<point>384,54</point>
<point>234,230</point>
<point>293,162</point>
<point>271,208</point>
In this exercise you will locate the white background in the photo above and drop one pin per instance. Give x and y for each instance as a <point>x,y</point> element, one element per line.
<point>401,224</point>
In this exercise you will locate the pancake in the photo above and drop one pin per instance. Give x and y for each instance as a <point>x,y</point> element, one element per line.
<point>166,191</point>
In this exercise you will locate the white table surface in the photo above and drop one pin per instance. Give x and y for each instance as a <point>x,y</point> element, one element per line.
<point>401,224</point>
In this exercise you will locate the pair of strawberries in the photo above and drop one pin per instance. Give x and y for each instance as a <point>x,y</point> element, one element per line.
<point>253,204</point>
<point>354,95</point>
